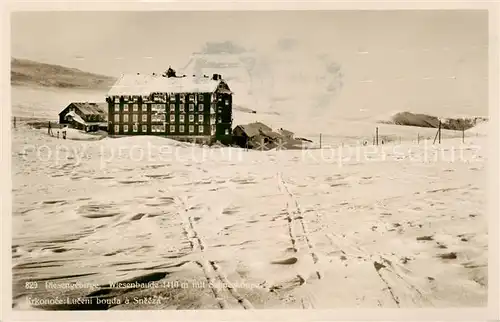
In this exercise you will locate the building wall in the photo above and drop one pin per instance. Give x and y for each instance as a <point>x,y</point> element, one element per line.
<point>70,107</point>
<point>87,118</point>
<point>188,114</point>
<point>224,115</point>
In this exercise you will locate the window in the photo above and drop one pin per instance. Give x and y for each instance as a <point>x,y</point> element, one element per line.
<point>117,117</point>
<point>117,107</point>
<point>219,120</point>
<point>181,118</point>
<point>125,128</point>
<point>172,118</point>
<point>144,117</point>
<point>125,107</point>
<point>172,128</point>
<point>162,128</point>
<point>226,132</point>
<point>191,97</point>
<point>200,107</point>
<point>227,102</point>
<point>162,117</point>
<point>182,97</point>
<point>181,128</point>
<point>135,118</point>
<point>200,129</point>
<point>117,128</point>
<point>191,128</point>
<point>135,107</point>
<point>181,107</point>
<point>172,98</point>
<point>191,118</point>
<point>135,128</point>
<point>144,128</point>
<point>117,99</point>
<point>200,118</point>
<point>172,107</point>
<point>144,106</point>
<point>191,107</point>
<point>125,118</point>
<point>200,97</point>
<point>157,107</point>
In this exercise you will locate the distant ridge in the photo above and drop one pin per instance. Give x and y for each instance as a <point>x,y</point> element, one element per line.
<point>424,120</point>
<point>35,74</point>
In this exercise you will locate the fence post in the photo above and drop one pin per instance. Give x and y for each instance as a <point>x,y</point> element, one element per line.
<point>376,134</point>
<point>320,140</point>
<point>418,138</point>
<point>439,131</point>
<point>463,134</point>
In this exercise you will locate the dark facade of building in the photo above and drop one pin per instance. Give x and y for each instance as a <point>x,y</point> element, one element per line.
<point>85,116</point>
<point>177,107</point>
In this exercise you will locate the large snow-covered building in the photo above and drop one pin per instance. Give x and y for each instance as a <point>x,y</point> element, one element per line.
<point>180,107</point>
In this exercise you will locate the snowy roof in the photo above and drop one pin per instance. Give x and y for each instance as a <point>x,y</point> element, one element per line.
<point>285,132</point>
<point>147,84</point>
<point>75,117</point>
<point>87,108</point>
<point>254,129</point>
<point>92,108</point>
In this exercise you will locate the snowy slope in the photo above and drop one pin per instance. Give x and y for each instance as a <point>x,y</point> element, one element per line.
<point>361,227</point>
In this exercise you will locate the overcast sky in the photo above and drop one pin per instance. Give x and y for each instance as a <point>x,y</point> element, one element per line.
<point>409,58</point>
<point>113,42</point>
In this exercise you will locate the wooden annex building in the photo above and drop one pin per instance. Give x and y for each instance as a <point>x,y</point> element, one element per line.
<point>85,116</point>
<point>179,107</point>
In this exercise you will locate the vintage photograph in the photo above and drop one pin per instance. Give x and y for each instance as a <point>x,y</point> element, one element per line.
<point>241,160</point>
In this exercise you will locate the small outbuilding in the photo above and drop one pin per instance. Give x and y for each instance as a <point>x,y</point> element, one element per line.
<point>89,117</point>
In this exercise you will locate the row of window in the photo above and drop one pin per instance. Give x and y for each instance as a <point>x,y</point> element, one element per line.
<point>159,128</point>
<point>158,118</point>
<point>163,97</point>
<point>159,107</point>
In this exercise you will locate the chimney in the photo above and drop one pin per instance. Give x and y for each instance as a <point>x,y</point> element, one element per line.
<point>215,76</point>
